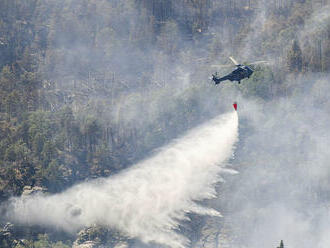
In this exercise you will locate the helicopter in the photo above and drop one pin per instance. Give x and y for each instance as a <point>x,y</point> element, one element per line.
<point>241,72</point>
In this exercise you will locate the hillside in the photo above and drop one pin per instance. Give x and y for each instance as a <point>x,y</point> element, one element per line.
<point>90,88</point>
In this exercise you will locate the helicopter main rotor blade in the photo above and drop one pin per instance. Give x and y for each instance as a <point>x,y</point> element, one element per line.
<point>234,61</point>
<point>260,62</point>
<point>221,66</point>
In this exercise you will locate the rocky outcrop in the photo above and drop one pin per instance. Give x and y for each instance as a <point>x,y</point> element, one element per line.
<point>29,190</point>
<point>6,234</point>
<point>8,237</point>
<point>86,244</point>
<point>99,237</point>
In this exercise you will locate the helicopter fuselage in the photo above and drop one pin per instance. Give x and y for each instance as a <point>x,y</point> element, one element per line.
<point>241,72</point>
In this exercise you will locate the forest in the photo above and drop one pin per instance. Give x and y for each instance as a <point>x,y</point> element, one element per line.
<point>89,88</point>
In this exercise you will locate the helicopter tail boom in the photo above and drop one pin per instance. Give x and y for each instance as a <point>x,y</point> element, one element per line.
<point>218,80</point>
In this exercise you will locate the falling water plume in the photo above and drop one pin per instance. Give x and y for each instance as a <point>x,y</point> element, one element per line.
<point>148,200</point>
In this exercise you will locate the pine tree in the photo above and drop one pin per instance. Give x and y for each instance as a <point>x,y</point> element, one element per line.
<point>281,244</point>
<point>294,58</point>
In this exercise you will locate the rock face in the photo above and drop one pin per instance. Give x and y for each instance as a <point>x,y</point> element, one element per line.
<point>6,234</point>
<point>29,190</point>
<point>9,236</point>
<point>98,237</point>
<point>86,244</point>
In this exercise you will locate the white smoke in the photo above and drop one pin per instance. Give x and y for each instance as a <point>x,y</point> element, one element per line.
<point>148,200</point>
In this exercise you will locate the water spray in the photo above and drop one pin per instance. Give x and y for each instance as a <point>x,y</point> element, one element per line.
<point>149,200</point>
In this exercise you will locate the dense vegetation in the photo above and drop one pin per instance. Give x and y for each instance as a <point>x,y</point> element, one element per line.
<point>76,75</point>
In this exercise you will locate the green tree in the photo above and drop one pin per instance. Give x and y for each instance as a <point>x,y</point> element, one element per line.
<point>281,244</point>
<point>294,58</point>
<point>42,242</point>
<point>38,143</point>
<point>92,132</point>
<point>48,152</point>
<point>17,152</point>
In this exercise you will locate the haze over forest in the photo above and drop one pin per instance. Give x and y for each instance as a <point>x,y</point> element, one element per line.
<point>113,135</point>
